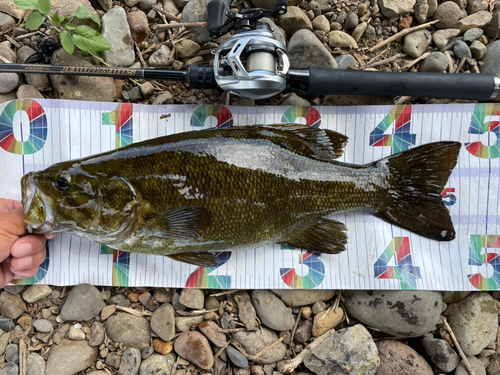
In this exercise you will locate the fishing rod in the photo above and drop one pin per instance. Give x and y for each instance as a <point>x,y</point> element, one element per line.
<point>252,63</point>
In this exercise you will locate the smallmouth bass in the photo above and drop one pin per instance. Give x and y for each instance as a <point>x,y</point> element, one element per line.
<point>190,194</point>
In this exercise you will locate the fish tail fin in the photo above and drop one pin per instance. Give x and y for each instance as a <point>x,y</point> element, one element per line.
<point>413,200</point>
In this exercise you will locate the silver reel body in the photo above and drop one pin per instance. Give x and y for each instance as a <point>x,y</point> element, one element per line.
<point>252,64</point>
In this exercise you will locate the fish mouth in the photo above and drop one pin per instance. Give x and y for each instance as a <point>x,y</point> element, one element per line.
<point>38,212</point>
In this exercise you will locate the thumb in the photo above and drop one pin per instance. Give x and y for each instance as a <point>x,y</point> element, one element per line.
<point>12,226</point>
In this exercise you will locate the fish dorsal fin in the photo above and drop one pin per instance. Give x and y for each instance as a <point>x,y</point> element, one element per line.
<point>182,223</point>
<point>323,144</point>
<point>325,235</point>
<point>198,259</point>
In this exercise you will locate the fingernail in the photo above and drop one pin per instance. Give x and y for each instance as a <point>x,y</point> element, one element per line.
<point>50,236</point>
<point>24,262</point>
<point>23,249</point>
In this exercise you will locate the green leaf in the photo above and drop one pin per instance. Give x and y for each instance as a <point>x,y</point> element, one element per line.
<point>56,17</point>
<point>70,26</point>
<point>26,4</point>
<point>87,39</point>
<point>34,20</point>
<point>84,13</point>
<point>67,41</point>
<point>44,7</point>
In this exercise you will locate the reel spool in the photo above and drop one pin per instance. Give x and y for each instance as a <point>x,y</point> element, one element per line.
<point>251,63</point>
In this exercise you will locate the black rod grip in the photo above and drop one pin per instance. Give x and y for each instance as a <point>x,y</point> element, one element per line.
<point>281,2</point>
<point>215,15</point>
<point>437,85</point>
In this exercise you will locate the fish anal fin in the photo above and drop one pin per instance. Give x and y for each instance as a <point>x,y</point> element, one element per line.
<point>325,235</point>
<point>323,144</point>
<point>198,259</point>
<point>182,223</point>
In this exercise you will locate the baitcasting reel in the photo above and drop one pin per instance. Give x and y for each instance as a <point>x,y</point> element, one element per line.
<point>251,63</point>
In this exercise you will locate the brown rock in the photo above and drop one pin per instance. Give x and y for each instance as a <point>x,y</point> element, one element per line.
<point>162,347</point>
<point>211,330</point>
<point>448,13</point>
<point>27,92</point>
<point>479,20</point>
<point>186,49</point>
<point>327,320</point>
<point>11,306</point>
<point>303,332</point>
<point>97,334</point>
<point>294,20</point>
<point>246,311</point>
<point>398,358</point>
<point>70,357</point>
<point>194,347</point>
<point>132,297</point>
<point>139,26</point>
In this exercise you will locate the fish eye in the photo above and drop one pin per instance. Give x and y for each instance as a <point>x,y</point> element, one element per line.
<point>62,183</point>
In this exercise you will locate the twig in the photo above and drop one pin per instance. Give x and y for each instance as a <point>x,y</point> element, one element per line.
<point>451,63</point>
<point>254,357</point>
<point>231,330</point>
<point>19,37</point>
<point>6,61</point>
<point>400,34</point>
<point>194,312</point>
<point>224,293</point>
<point>22,357</point>
<point>175,25</point>
<point>378,55</point>
<point>383,62</point>
<point>138,50</point>
<point>402,100</point>
<point>12,41</point>
<point>286,367</point>
<point>297,322</point>
<point>360,59</point>
<point>408,66</point>
<point>174,369</point>
<point>461,63</point>
<point>170,16</point>
<point>134,312</point>
<point>222,349</point>
<point>460,351</point>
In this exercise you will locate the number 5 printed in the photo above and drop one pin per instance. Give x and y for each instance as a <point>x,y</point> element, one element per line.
<point>479,126</point>
<point>477,257</point>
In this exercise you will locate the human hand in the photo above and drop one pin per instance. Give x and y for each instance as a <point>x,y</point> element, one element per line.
<point>20,254</point>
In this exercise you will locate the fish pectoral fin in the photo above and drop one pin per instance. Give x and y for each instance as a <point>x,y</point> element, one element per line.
<point>324,144</point>
<point>182,223</point>
<point>198,259</point>
<point>326,236</point>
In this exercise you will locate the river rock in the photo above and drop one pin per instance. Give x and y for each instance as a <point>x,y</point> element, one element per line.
<point>304,331</point>
<point>277,31</point>
<point>443,39</point>
<point>8,83</point>
<point>394,8</point>
<point>294,20</point>
<point>305,50</point>
<point>448,14</point>
<point>254,342</point>
<point>355,353</point>
<point>11,306</point>
<point>163,322</point>
<point>359,31</point>
<point>170,7</point>
<point>474,6</point>
<point>100,89</point>
<point>441,354</point>
<point>28,92</point>
<point>294,100</point>
<point>341,39</point>
<point>298,297</point>
<point>9,7</point>
<point>161,57</point>
<point>421,11</point>
<point>436,62</point>
<point>35,364</point>
<point>132,331</point>
<point>130,363</point>
<point>416,43</point>
<point>398,358</point>
<point>461,49</point>
<point>10,55</point>
<point>475,322</point>
<point>351,22</point>
<point>186,49</point>
<point>479,20</point>
<point>116,30</point>
<point>10,368</point>
<point>194,347</point>
<point>211,330</point>
<point>321,23</point>
<point>42,325</point>
<point>326,320</point>
<point>493,28</point>
<point>70,357</point>
<point>397,313</point>
<point>491,59</point>
<point>192,298</point>
<point>139,26</point>
<point>84,302</point>
<point>271,311</point>
<point>236,357</point>
<point>196,11</point>
<point>185,323</point>
<point>246,312</point>
<point>157,364</point>
<point>473,34</point>
<point>65,7</point>
<point>474,363</point>
<point>477,49</point>
<point>97,334</point>
<point>343,61</point>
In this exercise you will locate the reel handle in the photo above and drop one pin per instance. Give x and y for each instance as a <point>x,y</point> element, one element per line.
<point>215,10</point>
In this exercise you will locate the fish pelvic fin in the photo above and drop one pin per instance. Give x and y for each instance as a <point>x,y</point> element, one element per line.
<point>325,235</point>
<point>413,200</point>
<point>198,259</point>
<point>320,144</point>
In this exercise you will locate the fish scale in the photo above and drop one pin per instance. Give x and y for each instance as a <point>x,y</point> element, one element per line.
<point>190,194</point>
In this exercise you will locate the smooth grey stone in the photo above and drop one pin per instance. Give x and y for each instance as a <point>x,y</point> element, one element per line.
<point>473,34</point>
<point>147,4</point>
<point>43,325</point>
<point>271,311</point>
<point>436,62</point>
<point>493,28</point>
<point>161,57</point>
<point>277,31</point>
<point>351,22</point>
<point>116,30</point>
<point>130,363</point>
<point>491,59</point>
<point>14,289</point>
<point>299,297</point>
<point>157,364</point>
<point>416,43</point>
<point>164,98</point>
<point>443,39</point>
<point>192,298</point>
<point>370,33</point>
<point>120,300</point>
<point>399,313</point>
<point>6,21</point>
<point>12,352</point>
<point>256,341</point>
<point>461,49</point>
<point>84,302</point>
<point>6,324</point>
<point>236,357</point>
<point>441,354</point>
<point>35,364</point>
<point>10,368</point>
<point>97,334</point>
<point>8,83</point>
<point>475,323</point>
<point>147,352</point>
<point>394,8</point>
<point>341,18</point>
<point>355,353</point>
<point>344,60</point>
<point>476,365</point>
<point>132,331</point>
<point>70,357</point>
<point>163,322</point>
